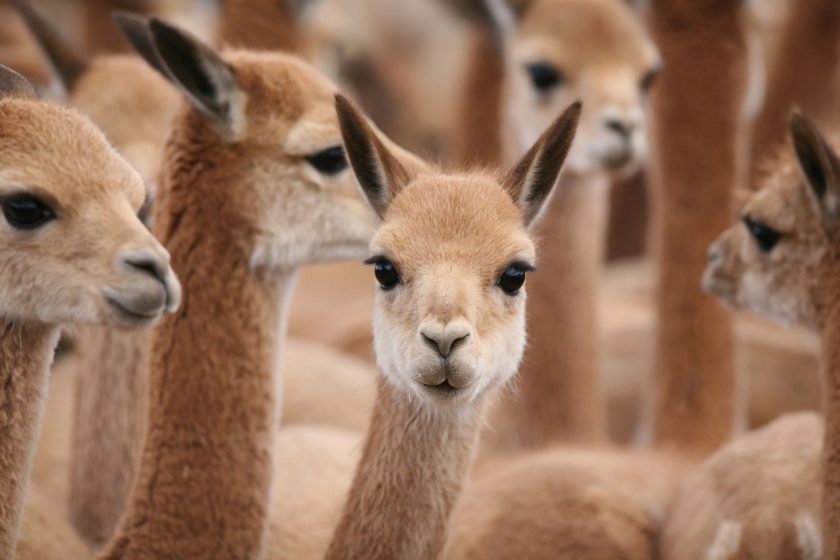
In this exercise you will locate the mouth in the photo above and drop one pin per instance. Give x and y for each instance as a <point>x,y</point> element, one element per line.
<point>444,391</point>
<point>130,316</point>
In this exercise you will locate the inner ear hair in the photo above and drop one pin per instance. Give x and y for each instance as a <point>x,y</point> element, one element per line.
<point>13,85</point>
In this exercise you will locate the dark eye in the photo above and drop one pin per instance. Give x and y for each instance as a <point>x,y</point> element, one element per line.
<point>26,212</point>
<point>385,272</point>
<point>649,79</point>
<point>330,161</point>
<point>513,278</point>
<point>544,76</point>
<point>766,238</point>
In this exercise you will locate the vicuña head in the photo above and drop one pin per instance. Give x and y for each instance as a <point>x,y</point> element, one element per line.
<point>451,257</point>
<point>269,119</point>
<point>73,248</point>
<point>563,50</point>
<point>775,260</point>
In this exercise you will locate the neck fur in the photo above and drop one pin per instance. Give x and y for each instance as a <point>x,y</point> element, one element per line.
<point>203,484</point>
<point>413,469</point>
<point>559,383</point>
<point>831,452</point>
<point>693,176</point>
<point>26,352</point>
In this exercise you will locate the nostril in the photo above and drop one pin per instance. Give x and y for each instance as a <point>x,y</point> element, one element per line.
<point>457,342</point>
<point>623,128</point>
<point>147,264</point>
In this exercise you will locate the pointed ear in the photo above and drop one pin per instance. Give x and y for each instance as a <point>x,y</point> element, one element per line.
<point>820,166</point>
<point>13,85</point>
<point>135,29</point>
<point>67,62</point>
<point>208,81</point>
<point>532,180</point>
<point>379,172</point>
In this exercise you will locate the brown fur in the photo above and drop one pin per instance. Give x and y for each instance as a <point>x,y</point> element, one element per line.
<point>449,236</point>
<point>259,25</point>
<point>695,170</point>
<point>803,72</point>
<point>231,166</point>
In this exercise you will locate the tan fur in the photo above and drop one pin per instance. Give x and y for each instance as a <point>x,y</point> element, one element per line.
<point>94,262</point>
<point>763,484</point>
<point>313,472</point>
<point>565,504</point>
<point>225,212</point>
<point>45,533</point>
<point>791,281</point>
<point>448,237</point>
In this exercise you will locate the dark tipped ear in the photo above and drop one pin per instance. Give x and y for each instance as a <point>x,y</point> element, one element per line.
<point>820,166</point>
<point>207,80</point>
<point>530,183</point>
<point>378,171</point>
<point>135,29</point>
<point>14,85</point>
<point>67,62</point>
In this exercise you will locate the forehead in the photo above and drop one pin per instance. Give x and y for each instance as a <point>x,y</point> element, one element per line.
<point>460,219</point>
<point>56,150</point>
<point>782,200</point>
<point>597,31</point>
<point>282,91</point>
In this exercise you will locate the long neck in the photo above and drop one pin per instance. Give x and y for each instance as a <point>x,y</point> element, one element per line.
<point>413,469</point>
<point>25,356</point>
<point>559,393</point>
<point>694,173</point>
<point>831,453</point>
<point>807,57</point>
<point>258,24</point>
<point>111,395</point>
<point>478,141</point>
<point>203,485</point>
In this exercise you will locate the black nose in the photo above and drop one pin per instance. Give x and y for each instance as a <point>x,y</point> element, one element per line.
<point>622,128</point>
<point>148,263</point>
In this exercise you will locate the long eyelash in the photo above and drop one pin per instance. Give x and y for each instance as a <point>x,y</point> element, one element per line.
<point>375,259</point>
